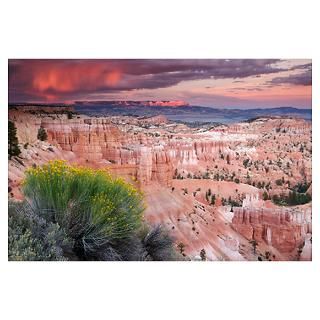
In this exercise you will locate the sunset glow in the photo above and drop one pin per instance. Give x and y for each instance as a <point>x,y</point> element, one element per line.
<point>214,83</point>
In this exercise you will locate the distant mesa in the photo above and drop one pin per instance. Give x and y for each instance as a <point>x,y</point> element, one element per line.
<point>135,103</point>
<point>172,103</point>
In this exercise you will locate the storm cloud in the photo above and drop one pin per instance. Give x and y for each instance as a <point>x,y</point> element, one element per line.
<point>301,79</point>
<point>48,80</point>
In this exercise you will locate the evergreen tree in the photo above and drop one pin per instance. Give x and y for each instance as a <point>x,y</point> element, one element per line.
<point>203,255</point>
<point>254,244</point>
<point>13,148</point>
<point>69,115</point>
<point>181,247</point>
<point>42,134</point>
<point>228,159</point>
<point>265,195</point>
<point>213,199</point>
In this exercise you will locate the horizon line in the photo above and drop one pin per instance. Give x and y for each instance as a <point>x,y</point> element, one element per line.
<point>187,104</point>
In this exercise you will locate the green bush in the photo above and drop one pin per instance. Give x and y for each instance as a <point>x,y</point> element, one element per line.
<point>101,208</point>
<point>31,238</point>
<point>158,245</point>
<point>102,217</point>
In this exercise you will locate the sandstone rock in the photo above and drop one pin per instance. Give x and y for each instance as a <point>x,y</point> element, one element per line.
<point>281,228</point>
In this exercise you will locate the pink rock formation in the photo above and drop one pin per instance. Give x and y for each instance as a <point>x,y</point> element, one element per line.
<point>172,103</point>
<point>95,140</point>
<point>281,228</point>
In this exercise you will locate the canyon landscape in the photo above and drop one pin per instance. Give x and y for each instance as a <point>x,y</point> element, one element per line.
<point>215,188</point>
<point>236,190</point>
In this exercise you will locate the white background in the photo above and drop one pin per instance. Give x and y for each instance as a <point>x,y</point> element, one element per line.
<point>162,29</point>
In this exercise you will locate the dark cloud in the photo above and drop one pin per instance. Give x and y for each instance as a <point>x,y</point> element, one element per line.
<point>307,66</point>
<point>73,79</point>
<point>246,89</point>
<point>301,79</point>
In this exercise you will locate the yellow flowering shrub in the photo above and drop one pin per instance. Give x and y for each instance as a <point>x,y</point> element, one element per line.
<point>80,198</point>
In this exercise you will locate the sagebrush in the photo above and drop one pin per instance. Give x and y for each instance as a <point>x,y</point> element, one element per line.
<point>100,217</point>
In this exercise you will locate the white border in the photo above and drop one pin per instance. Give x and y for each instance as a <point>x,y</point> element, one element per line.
<point>166,29</point>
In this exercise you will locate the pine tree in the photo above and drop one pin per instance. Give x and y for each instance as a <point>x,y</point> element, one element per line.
<point>265,195</point>
<point>203,255</point>
<point>13,148</point>
<point>42,134</point>
<point>254,244</point>
<point>228,159</point>
<point>181,247</point>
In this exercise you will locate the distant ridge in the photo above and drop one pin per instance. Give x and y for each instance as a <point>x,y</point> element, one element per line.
<point>185,112</point>
<point>175,110</point>
<point>142,103</point>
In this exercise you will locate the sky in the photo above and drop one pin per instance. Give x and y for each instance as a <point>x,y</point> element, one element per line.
<point>217,83</point>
